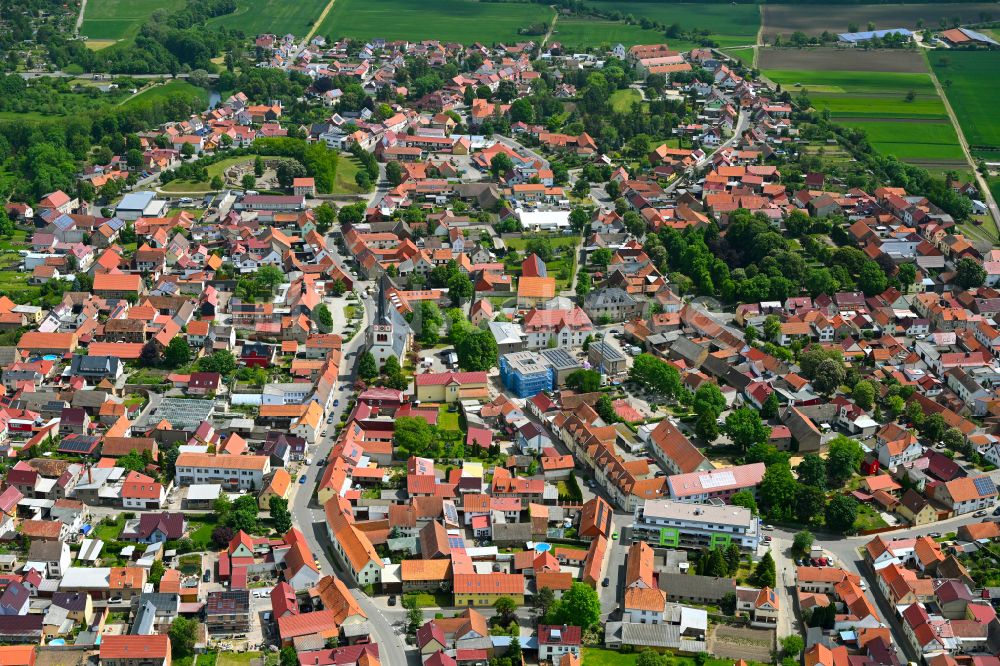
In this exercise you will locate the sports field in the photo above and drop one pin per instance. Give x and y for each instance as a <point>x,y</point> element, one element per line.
<point>279,17</point>
<point>121,19</point>
<point>729,25</point>
<point>917,131</point>
<point>963,74</point>
<point>464,21</point>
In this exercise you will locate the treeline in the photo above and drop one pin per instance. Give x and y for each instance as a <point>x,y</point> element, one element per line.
<point>167,43</point>
<point>320,162</point>
<point>44,155</point>
<point>886,169</point>
<point>752,261</point>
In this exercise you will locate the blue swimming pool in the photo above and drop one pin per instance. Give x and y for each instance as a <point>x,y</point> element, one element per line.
<point>543,547</point>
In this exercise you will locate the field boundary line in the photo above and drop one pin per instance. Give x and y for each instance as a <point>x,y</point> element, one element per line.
<point>79,19</point>
<point>319,21</point>
<point>760,36</point>
<point>984,187</point>
<point>552,26</point>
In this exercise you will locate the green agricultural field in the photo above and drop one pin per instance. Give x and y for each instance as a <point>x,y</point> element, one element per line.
<point>916,131</point>
<point>121,19</point>
<point>974,103</point>
<point>729,25</point>
<point>274,16</point>
<point>464,21</point>
<point>854,82</point>
<point>580,34</point>
<point>166,90</point>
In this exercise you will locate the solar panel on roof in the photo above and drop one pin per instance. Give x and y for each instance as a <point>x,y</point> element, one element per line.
<point>984,485</point>
<point>717,479</point>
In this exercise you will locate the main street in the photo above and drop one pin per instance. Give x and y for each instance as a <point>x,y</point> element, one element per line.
<point>310,517</point>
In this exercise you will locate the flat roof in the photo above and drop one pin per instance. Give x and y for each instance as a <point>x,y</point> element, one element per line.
<point>181,413</point>
<point>609,352</point>
<point>526,362</point>
<point>560,359</point>
<point>698,513</point>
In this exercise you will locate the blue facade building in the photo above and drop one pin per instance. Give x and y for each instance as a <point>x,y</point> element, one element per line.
<point>526,374</point>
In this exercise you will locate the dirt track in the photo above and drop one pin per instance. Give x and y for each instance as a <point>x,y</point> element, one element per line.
<point>841,59</point>
<point>814,19</point>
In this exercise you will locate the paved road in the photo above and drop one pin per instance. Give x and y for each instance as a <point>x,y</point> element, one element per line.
<point>79,19</point>
<point>310,518</point>
<point>521,148</point>
<point>845,550</point>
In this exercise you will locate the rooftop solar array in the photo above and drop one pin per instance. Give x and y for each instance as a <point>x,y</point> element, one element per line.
<point>717,480</point>
<point>985,486</point>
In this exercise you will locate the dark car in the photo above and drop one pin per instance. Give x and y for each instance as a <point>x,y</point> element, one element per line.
<point>996,511</point>
<point>605,582</point>
<point>208,575</point>
<point>814,561</point>
<point>392,600</point>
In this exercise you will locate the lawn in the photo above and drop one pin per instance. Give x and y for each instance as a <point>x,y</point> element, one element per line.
<point>276,16</point>
<point>868,519</point>
<point>121,19</point>
<point>622,100</point>
<point>171,88</point>
<point>728,24</point>
<point>110,532</point>
<point>200,531</point>
<point>464,21</point>
<point>429,600</point>
<point>975,104</point>
<point>235,658</point>
<point>743,54</point>
<point>557,242</point>
<point>347,168</point>
<point>601,657</point>
<point>448,420</point>
<point>215,169</point>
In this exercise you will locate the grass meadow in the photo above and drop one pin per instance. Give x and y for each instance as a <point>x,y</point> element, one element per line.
<point>167,89</point>
<point>729,25</point>
<point>464,21</point>
<point>279,17</point>
<point>121,19</point>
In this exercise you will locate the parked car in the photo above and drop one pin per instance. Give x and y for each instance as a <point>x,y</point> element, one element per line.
<point>614,536</point>
<point>606,582</point>
<point>996,511</point>
<point>814,561</point>
<point>979,514</point>
<point>935,535</point>
<point>392,599</point>
<point>769,528</point>
<point>208,575</point>
<point>336,403</point>
<point>302,479</point>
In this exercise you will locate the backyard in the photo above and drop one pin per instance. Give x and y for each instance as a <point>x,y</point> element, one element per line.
<point>601,657</point>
